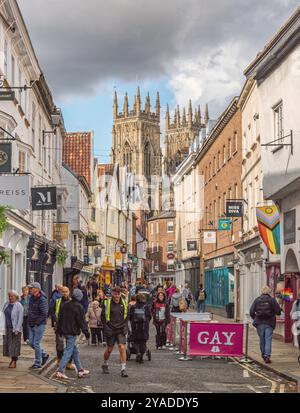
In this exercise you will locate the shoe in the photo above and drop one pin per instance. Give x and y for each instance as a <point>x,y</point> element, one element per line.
<point>83,373</point>
<point>105,369</point>
<point>104,344</point>
<point>12,365</point>
<point>59,375</point>
<point>35,367</point>
<point>268,360</point>
<point>138,358</point>
<point>70,366</point>
<point>44,359</point>
<point>124,373</point>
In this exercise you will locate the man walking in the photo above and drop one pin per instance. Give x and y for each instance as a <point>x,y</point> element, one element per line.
<point>59,305</point>
<point>37,320</point>
<point>71,322</point>
<point>200,298</point>
<point>114,317</point>
<point>264,310</point>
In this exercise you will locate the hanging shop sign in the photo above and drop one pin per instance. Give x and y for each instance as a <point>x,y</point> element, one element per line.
<point>118,259</point>
<point>224,225</point>
<point>5,157</point>
<point>234,208</point>
<point>43,198</point>
<point>268,219</point>
<point>14,192</point>
<point>7,95</point>
<point>209,237</point>
<point>60,231</point>
<point>91,240</point>
<point>192,245</point>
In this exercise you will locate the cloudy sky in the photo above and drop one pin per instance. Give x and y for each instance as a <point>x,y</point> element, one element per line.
<point>186,49</point>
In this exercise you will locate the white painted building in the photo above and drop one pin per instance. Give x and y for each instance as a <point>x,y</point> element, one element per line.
<point>77,215</point>
<point>277,73</point>
<point>31,118</point>
<point>188,201</point>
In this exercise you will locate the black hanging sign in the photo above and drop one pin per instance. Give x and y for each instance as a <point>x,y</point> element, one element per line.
<point>43,198</point>
<point>5,157</point>
<point>234,208</point>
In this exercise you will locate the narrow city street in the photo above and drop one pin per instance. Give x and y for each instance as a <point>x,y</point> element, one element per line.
<point>166,374</point>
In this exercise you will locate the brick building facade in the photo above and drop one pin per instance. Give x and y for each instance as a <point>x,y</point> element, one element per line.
<point>160,264</point>
<point>220,163</point>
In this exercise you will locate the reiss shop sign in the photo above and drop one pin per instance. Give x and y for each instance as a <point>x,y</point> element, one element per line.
<point>216,339</point>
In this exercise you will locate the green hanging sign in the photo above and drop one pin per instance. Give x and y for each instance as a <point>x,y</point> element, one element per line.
<point>224,225</point>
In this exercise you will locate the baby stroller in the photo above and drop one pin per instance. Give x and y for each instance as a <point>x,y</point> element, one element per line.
<point>131,348</point>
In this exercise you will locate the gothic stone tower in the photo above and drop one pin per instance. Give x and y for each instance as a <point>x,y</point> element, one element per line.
<point>136,136</point>
<point>180,134</point>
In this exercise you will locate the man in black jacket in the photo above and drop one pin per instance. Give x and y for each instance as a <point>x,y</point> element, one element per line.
<point>71,322</point>
<point>264,310</point>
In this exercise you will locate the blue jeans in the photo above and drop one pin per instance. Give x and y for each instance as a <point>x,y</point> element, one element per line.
<point>201,306</point>
<point>265,333</point>
<point>71,350</point>
<point>35,337</point>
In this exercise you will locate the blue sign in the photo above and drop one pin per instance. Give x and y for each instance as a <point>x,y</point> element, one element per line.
<point>224,225</point>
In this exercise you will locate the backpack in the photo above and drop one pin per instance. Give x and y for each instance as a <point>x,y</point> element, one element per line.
<point>139,315</point>
<point>201,296</point>
<point>264,308</point>
<point>182,304</point>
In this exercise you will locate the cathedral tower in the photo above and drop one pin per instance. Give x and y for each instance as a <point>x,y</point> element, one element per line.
<point>136,136</point>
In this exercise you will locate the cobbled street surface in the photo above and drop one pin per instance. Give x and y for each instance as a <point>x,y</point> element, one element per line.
<point>166,374</point>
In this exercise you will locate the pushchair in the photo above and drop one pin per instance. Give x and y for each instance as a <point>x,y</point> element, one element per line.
<point>131,348</point>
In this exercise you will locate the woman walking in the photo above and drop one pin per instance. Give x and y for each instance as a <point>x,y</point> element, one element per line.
<point>25,297</point>
<point>13,311</point>
<point>161,318</point>
<point>95,323</point>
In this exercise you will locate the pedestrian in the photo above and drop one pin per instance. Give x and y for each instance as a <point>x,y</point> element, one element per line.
<point>37,320</point>
<point>95,287</point>
<point>200,298</point>
<point>114,317</point>
<point>170,291</point>
<point>56,295</point>
<point>161,318</point>
<point>14,313</point>
<point>295,316</point>
<point>263,311</point>
<point>71,322</point>
<point>140,316</point>
<point>76,283</point>
<point>187,295</point>
<point>176,306</point>
<point>25,297</point>
<point>60,341</point>
<point>95,323</point>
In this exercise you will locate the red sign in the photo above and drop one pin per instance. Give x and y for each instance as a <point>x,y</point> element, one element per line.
<point>170,255</point>
<point>216,339</point>
<point>183,326</point>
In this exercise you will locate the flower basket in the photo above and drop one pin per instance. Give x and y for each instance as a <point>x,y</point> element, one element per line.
<point>4,257</point>
<point>61,257</point>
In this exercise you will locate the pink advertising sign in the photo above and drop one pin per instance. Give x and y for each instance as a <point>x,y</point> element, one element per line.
<point>170,330</point>
<point>216,339</point>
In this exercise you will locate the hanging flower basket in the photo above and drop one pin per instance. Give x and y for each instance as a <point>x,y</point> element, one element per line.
<point>3,220</point>
<point>4,257</point>
<point>61,257</point>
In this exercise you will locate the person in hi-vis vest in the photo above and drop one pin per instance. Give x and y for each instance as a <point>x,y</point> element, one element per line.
<point>114,318</point>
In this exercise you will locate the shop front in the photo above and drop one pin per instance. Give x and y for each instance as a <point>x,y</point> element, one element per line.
<point>107,272</point>
<point>41,258</point>
<point>219,286</point>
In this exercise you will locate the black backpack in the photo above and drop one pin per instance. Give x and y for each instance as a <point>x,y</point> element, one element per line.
<point>139,315</point>
<point>264,308</point>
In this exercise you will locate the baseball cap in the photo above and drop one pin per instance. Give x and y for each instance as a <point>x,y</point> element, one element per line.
<point>35,285</point>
